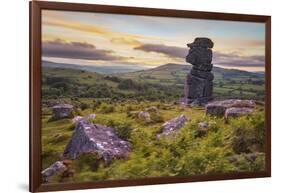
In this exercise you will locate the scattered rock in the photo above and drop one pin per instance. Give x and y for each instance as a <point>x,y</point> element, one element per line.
<point>237,112</point>
<point>198,87</point>
<point>57,167</point>
<point>76,119</point>
<point>218,108</point>
<point>94,138</point>
<point>172,125</point>
<point>145,116</point>
<point>62,111</point>
<point>203,125</point>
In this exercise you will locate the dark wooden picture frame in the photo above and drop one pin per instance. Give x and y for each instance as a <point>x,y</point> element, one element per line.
<point>35,92</point>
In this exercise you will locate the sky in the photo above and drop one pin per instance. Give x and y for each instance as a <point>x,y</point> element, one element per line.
<point>102,39</point>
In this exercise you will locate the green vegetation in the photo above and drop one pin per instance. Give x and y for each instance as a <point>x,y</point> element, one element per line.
<point>164,83</point>
<point>226,146</point>
<point>185,153</point>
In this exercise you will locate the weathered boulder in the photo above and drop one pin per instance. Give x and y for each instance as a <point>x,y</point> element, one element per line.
<point>172,125</point>
<point>144,116</point>
<point>57,167</point>
<point>94,138</point>
<point>198,86</point>
<point>237,111</point>
<point>62,111</point>
<point>218,108</point>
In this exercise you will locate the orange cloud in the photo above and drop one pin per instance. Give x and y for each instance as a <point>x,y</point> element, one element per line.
<point>115,37</point>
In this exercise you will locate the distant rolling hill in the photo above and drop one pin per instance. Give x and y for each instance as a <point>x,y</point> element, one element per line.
<point>174,72</point>
<point>228,83</point>
<point>108,69</point>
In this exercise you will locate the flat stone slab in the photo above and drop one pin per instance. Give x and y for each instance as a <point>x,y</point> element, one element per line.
<point>172,125</point>
<point>89,137</point>
<point>218,108</point>
<point>237,112</point>
<point>53,169</point>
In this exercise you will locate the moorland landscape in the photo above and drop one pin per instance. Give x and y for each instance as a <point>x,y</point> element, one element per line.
<point>221,147</point>
<point>130,108</point>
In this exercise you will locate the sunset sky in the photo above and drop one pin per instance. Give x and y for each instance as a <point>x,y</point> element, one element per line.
<point>143,41</point>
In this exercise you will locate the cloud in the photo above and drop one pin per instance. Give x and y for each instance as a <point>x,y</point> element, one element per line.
<point>235,60</point>
<point>170,51</point>
<point>75,50</point>
<point>114,36</point>
<point>225,59</point>
<point>124,40</point>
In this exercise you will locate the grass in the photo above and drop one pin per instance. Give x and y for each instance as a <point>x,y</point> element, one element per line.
<point>183,154</point>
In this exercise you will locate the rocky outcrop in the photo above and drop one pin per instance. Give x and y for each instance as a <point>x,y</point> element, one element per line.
<point>172,126</point>
<point>144,116</point>
<point>94,138</point>
<point>57,167</point>
<point>198,87</point>
<point>76,119</point>
<point>61,111</point>
<point>230,108</point>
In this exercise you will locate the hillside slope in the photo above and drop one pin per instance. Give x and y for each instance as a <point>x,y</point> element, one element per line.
<point>228,83</point>
<point>163,82</point>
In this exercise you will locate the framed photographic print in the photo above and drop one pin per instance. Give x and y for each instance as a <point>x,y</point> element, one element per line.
<point>123,96</point>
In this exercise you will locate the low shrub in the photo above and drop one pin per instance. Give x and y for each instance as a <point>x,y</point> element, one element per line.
<point>105,108</point>
<point>84,106</point>
<point>123,129</point>
<point>87,161</point>
<point>59,138</point>
<point>248,133</point>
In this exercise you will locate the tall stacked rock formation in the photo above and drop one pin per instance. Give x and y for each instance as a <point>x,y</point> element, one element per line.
<point>199,82</point>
